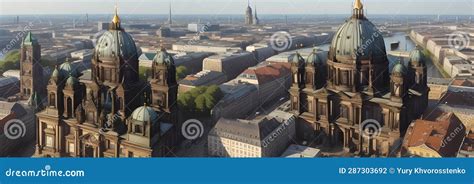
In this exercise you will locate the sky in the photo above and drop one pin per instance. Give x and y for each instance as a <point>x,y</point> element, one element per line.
<point>216,7</point>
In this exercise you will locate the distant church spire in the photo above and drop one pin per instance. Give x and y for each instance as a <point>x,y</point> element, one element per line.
<point>256,21</point>
<point>248,14</point>
<point>170,21</point>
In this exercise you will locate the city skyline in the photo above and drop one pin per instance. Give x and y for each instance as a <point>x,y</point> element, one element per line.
<point>231,7</point>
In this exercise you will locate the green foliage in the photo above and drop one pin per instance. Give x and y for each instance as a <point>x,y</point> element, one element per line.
<point>11,61</point>
<point>181,72</point>
<point>200,100</point>
<point>144,72</point>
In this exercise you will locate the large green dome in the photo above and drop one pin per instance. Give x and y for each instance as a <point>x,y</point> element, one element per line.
<point>357,36</point>
<point>115,43</point>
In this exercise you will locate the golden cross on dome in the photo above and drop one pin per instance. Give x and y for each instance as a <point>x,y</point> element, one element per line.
<point>358,5</point>
<point>116,18</point>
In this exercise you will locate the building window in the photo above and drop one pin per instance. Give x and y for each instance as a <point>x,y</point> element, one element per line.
<point>138,129</point>
<point>344,77</point>
<point>49,141</point>
<point>295,102</point>
<point>71,147</point>
<point>111,145</point>
<point>130,154</point>
<point>344,112</point>
<point>309,79</point>
<point>322,109</point>
<point>52,100</point>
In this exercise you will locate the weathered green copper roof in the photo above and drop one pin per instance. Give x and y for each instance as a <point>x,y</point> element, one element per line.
<point>114,43</point>
<point>297,58</point>
<point>314,58</point>
<point>30,39</point>
<point>358,37</point>
<point>399,68</point>
<point>416,56</point>
<point>67,69</point>
<point>163,57</point>
<point>144,114</point>
<point>71,81</point>
<point>55,74</point>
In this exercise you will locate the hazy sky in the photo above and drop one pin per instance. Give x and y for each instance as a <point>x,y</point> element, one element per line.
<point>215,7</point>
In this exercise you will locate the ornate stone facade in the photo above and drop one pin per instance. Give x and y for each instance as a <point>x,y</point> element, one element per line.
<point>100,113</point>
<point>337,100</point>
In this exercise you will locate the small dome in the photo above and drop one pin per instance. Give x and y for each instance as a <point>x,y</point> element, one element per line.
<point>163,57</point>
<point>399,69</point>
<point>416,56</point>
<point>55,74</point>
<point>67,69</point>
<point>297,58</point>
<point>144,114</point>
<point>314,58</point>
<point>71,81</point>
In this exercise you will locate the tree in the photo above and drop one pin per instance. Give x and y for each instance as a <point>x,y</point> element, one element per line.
<point>200,100</point>
<point>181,72</point>
<point>186,101</point>
<point>144,72</point>
<point>10,62</point>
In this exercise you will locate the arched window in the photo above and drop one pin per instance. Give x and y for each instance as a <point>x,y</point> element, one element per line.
<point>52,100</point>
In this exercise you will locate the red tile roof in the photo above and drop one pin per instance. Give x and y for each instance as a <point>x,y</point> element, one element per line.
<point>444,135</point>
<point>269,72</point>
<point>463,82</point>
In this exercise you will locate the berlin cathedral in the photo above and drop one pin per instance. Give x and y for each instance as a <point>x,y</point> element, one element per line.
<point>334,99</point>
<point>109,111</point>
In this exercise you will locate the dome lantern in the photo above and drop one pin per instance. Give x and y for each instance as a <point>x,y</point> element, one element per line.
<point>358,11</point>
<point>115,21</point>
